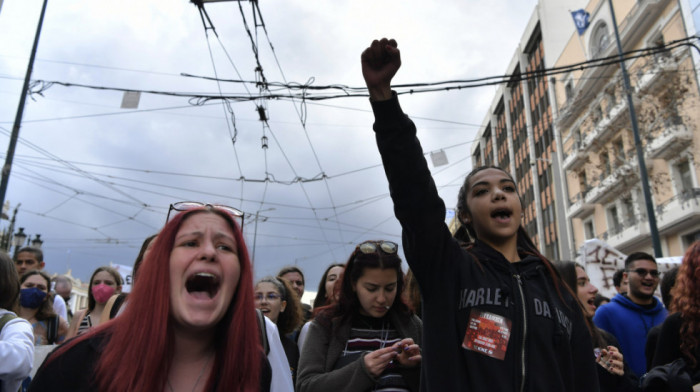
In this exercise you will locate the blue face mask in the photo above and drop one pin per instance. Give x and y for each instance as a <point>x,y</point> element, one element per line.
<point>31,298</point>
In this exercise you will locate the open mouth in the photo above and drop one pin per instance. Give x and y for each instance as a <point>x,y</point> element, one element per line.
<point>502,213</point>
<point>591,303</point>
<point>202,285</point>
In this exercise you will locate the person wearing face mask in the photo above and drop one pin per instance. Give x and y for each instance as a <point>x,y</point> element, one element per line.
<point>35,306</point>
<point>105,282</point>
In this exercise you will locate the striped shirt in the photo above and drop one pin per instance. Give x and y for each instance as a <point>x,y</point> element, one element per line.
<point>369,334</point>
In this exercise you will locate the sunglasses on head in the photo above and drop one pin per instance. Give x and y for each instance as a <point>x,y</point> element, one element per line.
<point>369,247</point>
<point>643,272</point>
<point>191,205</point>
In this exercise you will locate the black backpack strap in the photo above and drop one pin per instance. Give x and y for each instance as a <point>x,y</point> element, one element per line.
<point>117,305</point>
<point>263,331</point>
<point>52,330</point>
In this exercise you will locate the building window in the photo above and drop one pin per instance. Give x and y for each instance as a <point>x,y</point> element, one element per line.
<point>659,41</point>
<point>569,90</point>
<point>588,229</point>
<point>606,168</point>
<point>600,40</point>
<point>619,149</point>
<point>628,205</point>
<point>583,182</point>
<point>614,224</point>
<point>685,177</point>
<point>688,239</point>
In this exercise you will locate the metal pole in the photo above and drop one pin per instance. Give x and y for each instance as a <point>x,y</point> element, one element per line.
<point>255,232</point>
<point>255,238</point>
<point>20,111</point>
<point>653,229</point>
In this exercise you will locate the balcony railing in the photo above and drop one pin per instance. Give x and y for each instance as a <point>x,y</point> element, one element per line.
<point>609,186</point>
<point>576,157</point>
<point>687,196</point>
<point>578,205</point>
<point>675,138</point>
<point>679,212</point>
<point>625,231</point>
<point>650,77</point>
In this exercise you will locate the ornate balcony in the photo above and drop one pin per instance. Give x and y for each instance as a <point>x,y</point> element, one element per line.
<point>651,77</point>
<point>576,156</point>
<point>629,232</point>
<point>670,142</point>
<point>679,211</point>
<point>578,205</point>
<point>610,186</point>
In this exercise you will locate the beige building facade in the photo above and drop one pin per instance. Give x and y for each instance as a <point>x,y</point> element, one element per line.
<point>567,138</point>
<point>603,187</point>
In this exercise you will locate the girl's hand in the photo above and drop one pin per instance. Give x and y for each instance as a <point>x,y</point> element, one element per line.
<point>610,358</point>
<point>380,62</point>
<point>376,361</point>
<point>408,353</point>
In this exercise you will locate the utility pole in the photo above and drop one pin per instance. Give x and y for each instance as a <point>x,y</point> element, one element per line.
<point>255,232</point>
<point>644,176</point>
<point>20,111</point>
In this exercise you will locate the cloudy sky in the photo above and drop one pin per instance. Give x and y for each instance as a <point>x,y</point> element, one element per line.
<point>94,179</point>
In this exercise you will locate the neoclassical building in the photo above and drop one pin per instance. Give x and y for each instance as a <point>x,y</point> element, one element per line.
<point>567,138</point>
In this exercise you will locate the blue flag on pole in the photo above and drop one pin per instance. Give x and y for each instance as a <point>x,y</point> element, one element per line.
<point>581,20</point>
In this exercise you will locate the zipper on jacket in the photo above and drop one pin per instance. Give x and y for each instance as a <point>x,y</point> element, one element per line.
<point>522,352</point>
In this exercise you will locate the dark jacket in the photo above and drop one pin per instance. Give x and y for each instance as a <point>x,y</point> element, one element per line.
<point>548,346</point>
<point>630,323</point>
<point>324,345</point>
<point>74,370</point>
<point>668,348</point>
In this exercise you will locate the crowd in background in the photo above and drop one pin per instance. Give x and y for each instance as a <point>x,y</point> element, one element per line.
<point>479,310</point>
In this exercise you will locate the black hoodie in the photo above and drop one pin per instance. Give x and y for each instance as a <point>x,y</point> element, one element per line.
<point>488,324</point>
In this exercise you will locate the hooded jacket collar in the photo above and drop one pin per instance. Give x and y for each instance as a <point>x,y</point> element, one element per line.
<point>625,301</point>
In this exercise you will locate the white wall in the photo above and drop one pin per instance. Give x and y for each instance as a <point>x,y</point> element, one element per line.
<point>557,26</point>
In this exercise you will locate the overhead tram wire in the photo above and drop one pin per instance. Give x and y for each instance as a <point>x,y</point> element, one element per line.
<point>31,161</point>
<point>226,105</point>
<point>76,169</point>
<point>300,112</point>
<point>263,86</point>
<point>199,99</point>
<point>41,181</point>
<point>480,82</point>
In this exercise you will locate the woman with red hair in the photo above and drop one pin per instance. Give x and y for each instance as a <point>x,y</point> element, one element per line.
<point>190,324</point>
<point>680,332</point>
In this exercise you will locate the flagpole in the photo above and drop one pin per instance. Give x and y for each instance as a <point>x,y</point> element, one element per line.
<point>583,49</point>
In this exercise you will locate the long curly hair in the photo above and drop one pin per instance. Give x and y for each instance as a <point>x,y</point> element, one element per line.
<point>686,300</point>
<point>291,317</point>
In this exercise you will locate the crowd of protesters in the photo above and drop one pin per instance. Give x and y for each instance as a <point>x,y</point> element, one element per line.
<point>479,310</point>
